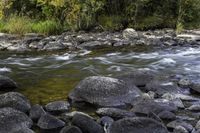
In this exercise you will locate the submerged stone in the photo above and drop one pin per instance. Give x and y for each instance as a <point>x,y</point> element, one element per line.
<point>7,84</point>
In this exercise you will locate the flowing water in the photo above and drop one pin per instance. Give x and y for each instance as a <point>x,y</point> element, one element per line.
<point>45,77</point>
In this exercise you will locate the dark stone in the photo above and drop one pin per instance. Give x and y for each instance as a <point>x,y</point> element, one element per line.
<point>138,78</point>
<point>24,130</point>
<point>114,113</point>
<point>166,115</point>
<point>195,86</point>
<point>48,122</point>
<point>86,124</point>
<point>92,45</point>
<point>137,125</point>
<point>160,87</point>
<point>36,112</point>
<point>15,100</point>
<point>104,92</point>
<point>58,107</point>
<point>71,129</point>
<point>180,129</point>
<point>106,121</point>
<point>154,106</point>
<point>174,124</point>
<point>7,84</point>
<point>13,120</point>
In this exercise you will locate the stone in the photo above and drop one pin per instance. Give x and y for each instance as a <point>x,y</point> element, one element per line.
<point>180,129</point>
<point>166,115</point>
<point>58,107</point>
<point>129,33</point>
<point>104,92</point>
<point>15,100</point>
<point>24,130</point>
<point>7,84</point>
<point>114,113</point>
<point>71,129</point>
<point>49,122</point>
<point>176,123</point>
<point>198,125</point>
<point>86,124</point>
<point>194,108</point>
<point>13,120</point>
<point>36,112</point>
<point>106,121</point>
<point>137,125</point>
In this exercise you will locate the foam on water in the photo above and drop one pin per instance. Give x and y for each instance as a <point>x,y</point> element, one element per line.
<point>5,69</point>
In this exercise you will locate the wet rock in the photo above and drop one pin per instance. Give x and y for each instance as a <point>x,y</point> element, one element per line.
<point>7,84</point>
<point>54,45</point>
<point>130,33</point>
<point>49,122</point>
<point>86,124</point>
<point>194,108</point>
<point>195,86</point>
<point>166,115</point>
<point>92,45</point>
<point>13,120</point>
<point>160,87</point>
<point>104,92</point>
<point>137,125</point>
<point>106,121</point>
<point>71,129</point>
<point>154,106</point>
<point>180,129</point>
<point>138,78</point>
<point>58,107</point>
<point>198,125</point>
<point>174,124</point>
<point>36,112</point>
<point>184,83</point>
<point>15,100</point>
<point>25,130</point>
<point>174,99</point>
<point>114,113</point>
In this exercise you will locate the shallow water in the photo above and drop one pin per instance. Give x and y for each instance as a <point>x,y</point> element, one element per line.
<point>45,77</point>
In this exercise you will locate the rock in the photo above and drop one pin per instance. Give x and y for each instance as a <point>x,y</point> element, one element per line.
<point>15,100</point>
<point>24,130</point>
<point>58,107</point>
<point>194,108</point>
<point>198,125</point>
<point>176,123</point>
<point>137,125</point>
<point>7,84</point>
<point>106,121</point>
<point>104,92</point>
<point>13,120</point>
<point>166,115</point>
<point>86,124</point>
<point>138,78</point>
<point>160,87</point>
<point>36,112</point>
<point>92,45</point>
<point>154,106</point>
<point>184,83</point>
<point>71,129</point>
<point>130,33</point>
<point>195,86</point>
<point>114,113</point>
<point>49,122</point>
<point>180,129</point>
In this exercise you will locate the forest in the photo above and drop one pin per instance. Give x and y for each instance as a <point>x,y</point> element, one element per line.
<point>55,16</point>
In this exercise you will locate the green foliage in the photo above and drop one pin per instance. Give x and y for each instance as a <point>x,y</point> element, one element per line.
<point>48,27</point>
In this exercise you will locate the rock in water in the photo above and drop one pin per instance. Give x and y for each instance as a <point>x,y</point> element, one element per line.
<point>15,100</point>
<point>7,84</point>
<point>137,125</point>
<point>36,112</point>
<point>129,33</point>
<point>58,107</point>
<point>87,124</point>
<point>13,120</point>
<point>104,92</point>
<point>71,129</point>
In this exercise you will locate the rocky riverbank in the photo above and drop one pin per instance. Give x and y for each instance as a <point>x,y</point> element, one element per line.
<point>137,102</point>
<point>83,40</point>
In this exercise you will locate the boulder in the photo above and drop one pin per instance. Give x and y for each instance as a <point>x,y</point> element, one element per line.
<point>7,84</point>
<point>166,115</point>
<point>24,130</point>
<point>86,124</point>
<point>180,129</point>
<point>15,100</point>
<point>106,121</point>
<point>114,113</point>
<point>129,33</point>
<point>137,125</point>
<point>49,122</point>
<point>36,112</point>
<point>12,120</point>
<point>104,92</point>
<point>58,107</point>
<point>195,86</point>
<point>175,123</point>
<point>71,129</point>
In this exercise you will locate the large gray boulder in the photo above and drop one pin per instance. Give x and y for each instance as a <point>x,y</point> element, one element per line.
<point>7,84</point>
<point>12,120</point>
<point>104,92</point>
<point>15,100</point>
<point>129,33</point>
<point>137,125</point>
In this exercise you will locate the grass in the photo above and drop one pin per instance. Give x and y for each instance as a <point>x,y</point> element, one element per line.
<point>21,25</point>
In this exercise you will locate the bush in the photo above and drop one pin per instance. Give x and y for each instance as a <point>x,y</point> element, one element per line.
<point>18,25</point>
<point>48,27</point>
